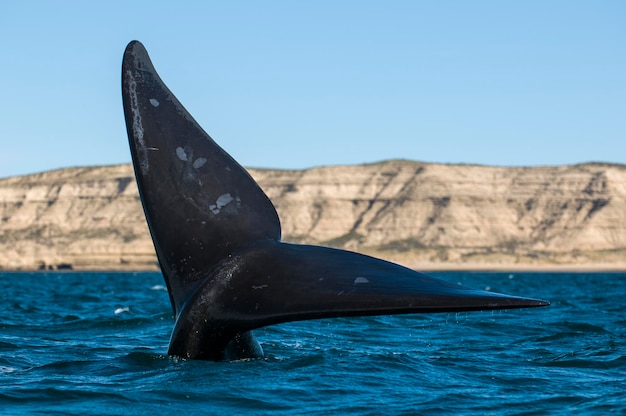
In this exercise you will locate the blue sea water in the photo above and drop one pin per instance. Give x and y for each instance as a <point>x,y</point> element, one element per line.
<point>95,343</point>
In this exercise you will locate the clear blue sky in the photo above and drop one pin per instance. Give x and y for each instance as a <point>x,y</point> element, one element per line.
<point>295,84</point>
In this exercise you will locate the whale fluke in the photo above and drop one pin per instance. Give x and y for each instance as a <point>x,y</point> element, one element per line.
<point>218,240</point>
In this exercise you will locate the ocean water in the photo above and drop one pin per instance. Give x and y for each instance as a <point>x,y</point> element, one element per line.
<point>95,343</point>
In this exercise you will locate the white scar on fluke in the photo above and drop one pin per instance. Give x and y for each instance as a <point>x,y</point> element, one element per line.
<point>137,125</point>
<point>222,201</point>
<point>182,155</point>
<point>180,152</point>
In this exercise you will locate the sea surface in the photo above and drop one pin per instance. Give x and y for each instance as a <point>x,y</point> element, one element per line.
<point>95,343</point>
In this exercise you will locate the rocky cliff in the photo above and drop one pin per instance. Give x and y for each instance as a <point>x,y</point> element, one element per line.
<point>421,215</point>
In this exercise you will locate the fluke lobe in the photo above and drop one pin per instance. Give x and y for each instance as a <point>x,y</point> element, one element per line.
<point>217,237</point>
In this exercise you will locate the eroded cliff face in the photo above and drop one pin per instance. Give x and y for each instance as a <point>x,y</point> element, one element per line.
<point>421,215</point>
<point>84,217</point>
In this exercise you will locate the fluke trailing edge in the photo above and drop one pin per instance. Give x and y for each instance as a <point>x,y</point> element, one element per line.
<point>217,238</point>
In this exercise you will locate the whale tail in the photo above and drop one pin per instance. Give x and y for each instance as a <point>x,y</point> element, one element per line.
<point>200,204</point>
<point>217,238</point>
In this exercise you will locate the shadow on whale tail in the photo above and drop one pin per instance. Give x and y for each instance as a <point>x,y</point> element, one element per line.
<point>217,238</point>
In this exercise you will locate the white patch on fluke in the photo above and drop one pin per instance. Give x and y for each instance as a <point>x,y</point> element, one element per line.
<point>361,280</point>
<point>224,200</point>
<point>187,156</point>
<point>180,152</point>
<point>220,203</point>
<point>154,102</point>
<point>199,162</point>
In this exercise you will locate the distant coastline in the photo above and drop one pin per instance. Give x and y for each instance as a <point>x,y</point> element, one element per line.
<point>424,216</point>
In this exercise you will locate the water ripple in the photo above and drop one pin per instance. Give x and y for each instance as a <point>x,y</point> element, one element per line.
<point>65,351</point>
